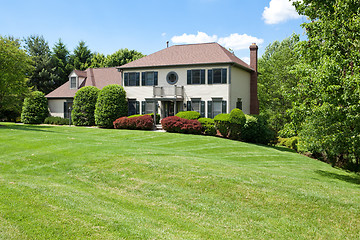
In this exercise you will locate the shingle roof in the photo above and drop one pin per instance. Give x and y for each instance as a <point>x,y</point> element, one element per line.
<point>98,77</point>
<point>190,54</point>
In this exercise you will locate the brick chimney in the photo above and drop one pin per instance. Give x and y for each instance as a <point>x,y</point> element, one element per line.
<point>254,102</point>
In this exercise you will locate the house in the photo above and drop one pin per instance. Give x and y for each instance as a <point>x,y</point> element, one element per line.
<point>206,78</point>
<point>61,99</point>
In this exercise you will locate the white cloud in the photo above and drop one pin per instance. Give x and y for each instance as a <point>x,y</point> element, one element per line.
<point>234,41</point>
<point>191,38</point>
<point>163,34</point>
<point>238,42</point>
<point>246,59</point>
<point>279,11</point>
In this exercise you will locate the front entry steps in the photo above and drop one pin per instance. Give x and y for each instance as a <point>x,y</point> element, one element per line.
<point>158,127</point>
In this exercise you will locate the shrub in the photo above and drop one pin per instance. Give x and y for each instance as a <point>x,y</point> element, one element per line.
<point>144,122</point>
<point>56,121</point>
<point>207,126</point>
<point>181,125</point>
<point>222,123</point>
<point>289,142</point>
<point>84,106</point>
<point>256,130</point>
<point>35,108</point>
<point>237,120</point>
<point>151,114</point>
<point>191,115</point>
<point>110,105</point>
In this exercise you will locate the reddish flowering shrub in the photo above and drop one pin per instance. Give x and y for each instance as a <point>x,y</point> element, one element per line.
<point>144,122</point>
<point>181,125</point>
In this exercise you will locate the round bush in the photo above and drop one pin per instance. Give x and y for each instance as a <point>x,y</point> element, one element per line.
<point>256,130</point>
<point>110,105</point>
<point>222,123</point>
<point>181,125</point>
<point>35,108</point>
<point>237,120</point>
<point>84,106</point>
<point>207,126</point>
<point>188,115</point>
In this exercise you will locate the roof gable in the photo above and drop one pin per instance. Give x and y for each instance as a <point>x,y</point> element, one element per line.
<point>190,54</point>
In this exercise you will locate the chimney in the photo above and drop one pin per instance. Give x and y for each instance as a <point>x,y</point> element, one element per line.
<point>254,102</point>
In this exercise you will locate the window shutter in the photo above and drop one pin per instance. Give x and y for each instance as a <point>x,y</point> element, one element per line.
<point>126,79</point>
<point>223,106</point>
<point>143,104</point>
<point>209,76</point>
<point>210,109</point>
<point>188,76</point>
<point>155,78</point>
<point>142,79</point>
<point>202,109</point>
<point>223,75</point>
<point>202,76</point>
<point>188,106</point>
<point>137,107</point>
<point>137,79</point>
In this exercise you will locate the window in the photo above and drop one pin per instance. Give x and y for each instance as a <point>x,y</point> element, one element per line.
<point>217,75</point>
<point>196,105</point>
<point>149,78</point>
<point>73,82</point>
<point>132,79</point>
<point>196,76</point>
<point>147,107</point>
<point>172,78</point>
<point>67,109</point>
<point>133,107</point>
<point>215,107</point>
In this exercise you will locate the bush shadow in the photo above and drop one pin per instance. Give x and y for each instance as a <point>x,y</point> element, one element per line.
<point>350,179</point>
<point>23,127</point>
<point>279,148</point>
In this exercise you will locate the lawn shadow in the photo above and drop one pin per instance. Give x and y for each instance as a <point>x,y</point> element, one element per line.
<point>23,127</point>
<point>279,148</point>
<point>350,179</point>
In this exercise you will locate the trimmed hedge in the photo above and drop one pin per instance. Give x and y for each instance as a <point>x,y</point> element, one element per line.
<point>222,123</point>
<point>237,120</point>
<point>257,130</point>
<point>35,108</point>
<point>151,114</point>
<point>84,106</point>
<point>181,125</point>
<point>191,115</point>
<point>56,121</point>
<point>207,126</point>
<point>289,142</point>
<point>144,122</point>
<point>110,105</point>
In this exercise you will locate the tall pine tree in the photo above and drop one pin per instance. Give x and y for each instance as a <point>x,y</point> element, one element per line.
<point>42,78</point>
<point>81,59</point>
<point>61,64</point>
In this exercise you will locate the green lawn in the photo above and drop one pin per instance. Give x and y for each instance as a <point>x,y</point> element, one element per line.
<point>87,183</point>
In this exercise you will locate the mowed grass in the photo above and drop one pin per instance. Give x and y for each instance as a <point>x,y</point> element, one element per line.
<point>87,183</point>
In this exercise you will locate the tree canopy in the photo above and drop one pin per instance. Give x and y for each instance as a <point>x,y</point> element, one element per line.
<point>15,65</point>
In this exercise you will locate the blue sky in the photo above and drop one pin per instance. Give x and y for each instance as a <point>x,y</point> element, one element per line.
<point>145,26</point>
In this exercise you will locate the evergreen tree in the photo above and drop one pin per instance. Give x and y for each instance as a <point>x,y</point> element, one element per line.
<point>60,63</point>
<point>81,59</point>
<point>42,78</point>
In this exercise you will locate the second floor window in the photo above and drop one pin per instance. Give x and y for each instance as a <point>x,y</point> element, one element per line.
<point>73,82</point>
<point>132,79</point>
<point>149,78</point>
<point>217,75</point>
<point>196,76</point>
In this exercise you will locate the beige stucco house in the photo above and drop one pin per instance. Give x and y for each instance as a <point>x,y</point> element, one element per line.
<point>206,78</point>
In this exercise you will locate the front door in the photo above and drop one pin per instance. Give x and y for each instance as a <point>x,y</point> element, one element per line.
<point>168,108</point>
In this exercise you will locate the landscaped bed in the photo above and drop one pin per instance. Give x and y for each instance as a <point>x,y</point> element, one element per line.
<point>61,182</point>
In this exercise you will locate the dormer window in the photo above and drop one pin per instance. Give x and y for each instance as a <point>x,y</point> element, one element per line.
<point>73,82</point>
